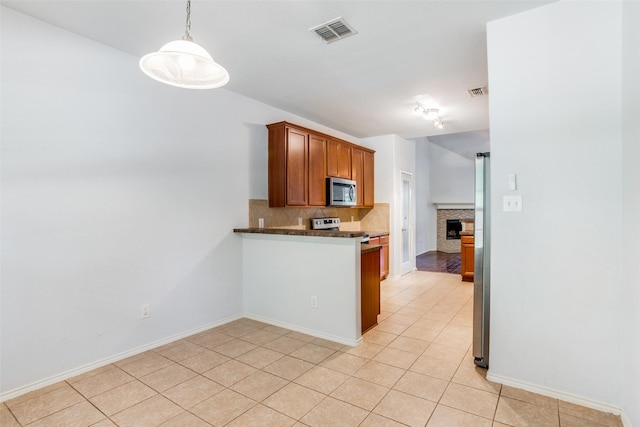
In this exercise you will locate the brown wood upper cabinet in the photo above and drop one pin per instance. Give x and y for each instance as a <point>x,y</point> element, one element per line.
<point>297,165</point>
<point>362,173</point>
<point>297,152</point>
<point>368,179</point>
<point>300,160</point>
<point>357,163</point>
<point>338,159</point>
<point>317,167</point>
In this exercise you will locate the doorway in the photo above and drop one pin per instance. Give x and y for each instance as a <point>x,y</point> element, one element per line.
<point>408,247</point>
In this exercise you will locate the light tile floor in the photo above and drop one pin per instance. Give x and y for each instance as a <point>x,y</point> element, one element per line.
<point>413,369</point>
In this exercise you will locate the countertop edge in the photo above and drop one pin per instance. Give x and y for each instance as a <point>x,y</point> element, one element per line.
<point>290,232</point>
<point>378,233</point>
<point>366,248</point>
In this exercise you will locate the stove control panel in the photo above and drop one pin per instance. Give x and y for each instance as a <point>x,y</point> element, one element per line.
<point>325,223</point>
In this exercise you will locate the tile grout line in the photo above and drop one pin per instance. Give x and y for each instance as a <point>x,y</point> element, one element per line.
<point>399,297</point>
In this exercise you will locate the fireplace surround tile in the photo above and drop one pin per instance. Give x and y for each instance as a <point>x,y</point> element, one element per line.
<point>450,246</point>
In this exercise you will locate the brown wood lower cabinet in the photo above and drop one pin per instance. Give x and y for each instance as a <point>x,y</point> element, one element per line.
<point>467,255</point>
<point>384,254</point>
<point>370,287</point>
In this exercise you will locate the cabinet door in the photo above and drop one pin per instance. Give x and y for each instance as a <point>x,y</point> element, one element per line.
<point>357,156</point>
<point>338,159</point>
<point>297,167</point>
<point>344,161</point>
<point>317,180</point>
<point>367,178</point>
<point>277,174</point>
<point>384,257</point>
<point>467,254</point>
<point>332,158</point>
<point>370,289</point>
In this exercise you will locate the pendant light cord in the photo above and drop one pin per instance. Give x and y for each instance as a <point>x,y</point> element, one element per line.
<point>187,28</point>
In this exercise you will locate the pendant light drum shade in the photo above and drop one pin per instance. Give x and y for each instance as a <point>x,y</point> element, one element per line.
<point>184,64</point>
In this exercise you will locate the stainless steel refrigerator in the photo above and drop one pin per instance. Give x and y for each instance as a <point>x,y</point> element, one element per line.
<point>481,274</point>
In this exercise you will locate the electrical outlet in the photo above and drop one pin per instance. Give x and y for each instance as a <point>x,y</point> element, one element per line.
<point>314,302</point>
<point>299,220</point>
<point>260,222</point>
<point>145,311</point>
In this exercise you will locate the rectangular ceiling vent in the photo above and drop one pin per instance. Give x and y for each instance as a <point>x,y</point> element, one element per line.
<point>334,30</point>
<point>479,91</point>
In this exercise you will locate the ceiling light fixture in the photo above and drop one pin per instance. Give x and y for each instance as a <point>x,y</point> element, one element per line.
<point>432,114</point>
<point>184,64</point>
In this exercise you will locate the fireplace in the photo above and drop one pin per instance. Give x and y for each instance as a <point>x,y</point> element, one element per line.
<point>454,226</point>
<point>449,224</point>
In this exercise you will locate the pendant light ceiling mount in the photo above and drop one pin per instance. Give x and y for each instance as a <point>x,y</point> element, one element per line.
<point>432,114</point>
<point>184,64</point>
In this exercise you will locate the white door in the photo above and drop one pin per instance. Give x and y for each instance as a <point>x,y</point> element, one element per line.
<point>408,255</point>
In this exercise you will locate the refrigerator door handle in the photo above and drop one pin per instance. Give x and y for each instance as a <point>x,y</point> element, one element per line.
<point>481,275</point>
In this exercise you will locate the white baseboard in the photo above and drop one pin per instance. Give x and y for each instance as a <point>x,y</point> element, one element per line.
<point>111,359</point>
<point>626,422</point>
<point>120,356</point>
<point>567,397</point>
<point>314,333</point>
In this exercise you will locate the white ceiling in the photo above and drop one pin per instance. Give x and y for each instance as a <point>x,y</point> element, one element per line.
<point>467,144</point>
<point>364,85</point>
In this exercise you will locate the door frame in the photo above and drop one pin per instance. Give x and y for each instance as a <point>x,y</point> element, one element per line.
<point>410,264</point>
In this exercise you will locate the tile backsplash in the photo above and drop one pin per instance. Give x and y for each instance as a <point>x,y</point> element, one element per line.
<point>351,219</point>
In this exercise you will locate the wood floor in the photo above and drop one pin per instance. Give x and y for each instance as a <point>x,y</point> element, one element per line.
<point>439,262</point>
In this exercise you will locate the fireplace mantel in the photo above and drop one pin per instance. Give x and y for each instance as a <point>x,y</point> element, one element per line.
<point>453,205</point>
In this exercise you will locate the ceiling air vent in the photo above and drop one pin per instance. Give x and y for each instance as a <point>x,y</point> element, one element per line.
<point>479,91</point>
<point>334,30</point>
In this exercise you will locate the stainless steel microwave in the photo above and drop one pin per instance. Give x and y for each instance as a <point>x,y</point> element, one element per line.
<point>341,192</point>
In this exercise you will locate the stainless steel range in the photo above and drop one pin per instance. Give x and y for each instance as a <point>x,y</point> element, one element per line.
<point>331,224</point>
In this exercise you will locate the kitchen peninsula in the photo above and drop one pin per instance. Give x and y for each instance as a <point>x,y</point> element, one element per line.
<point>304,280</point>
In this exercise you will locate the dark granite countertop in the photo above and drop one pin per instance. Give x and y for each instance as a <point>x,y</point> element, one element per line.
<point>377,233</point>
<point>290,232</point>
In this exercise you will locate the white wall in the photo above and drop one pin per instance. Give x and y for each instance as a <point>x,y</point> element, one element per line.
<point>631,210</point>
<point>555,80</point>
<point>451,175</point>
<point>405,161</point>
<point>426,239</point>
<point>384,185</point>
<point>394,155</point>
<point>383,166</point>
<point>281,274</point>
<point>449,178</point>
<point>116,191</point>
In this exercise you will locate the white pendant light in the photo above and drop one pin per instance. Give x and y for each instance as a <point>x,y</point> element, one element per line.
<point>185,64</point>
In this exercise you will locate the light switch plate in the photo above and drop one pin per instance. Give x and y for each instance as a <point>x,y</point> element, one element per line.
<point>512,203</point>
